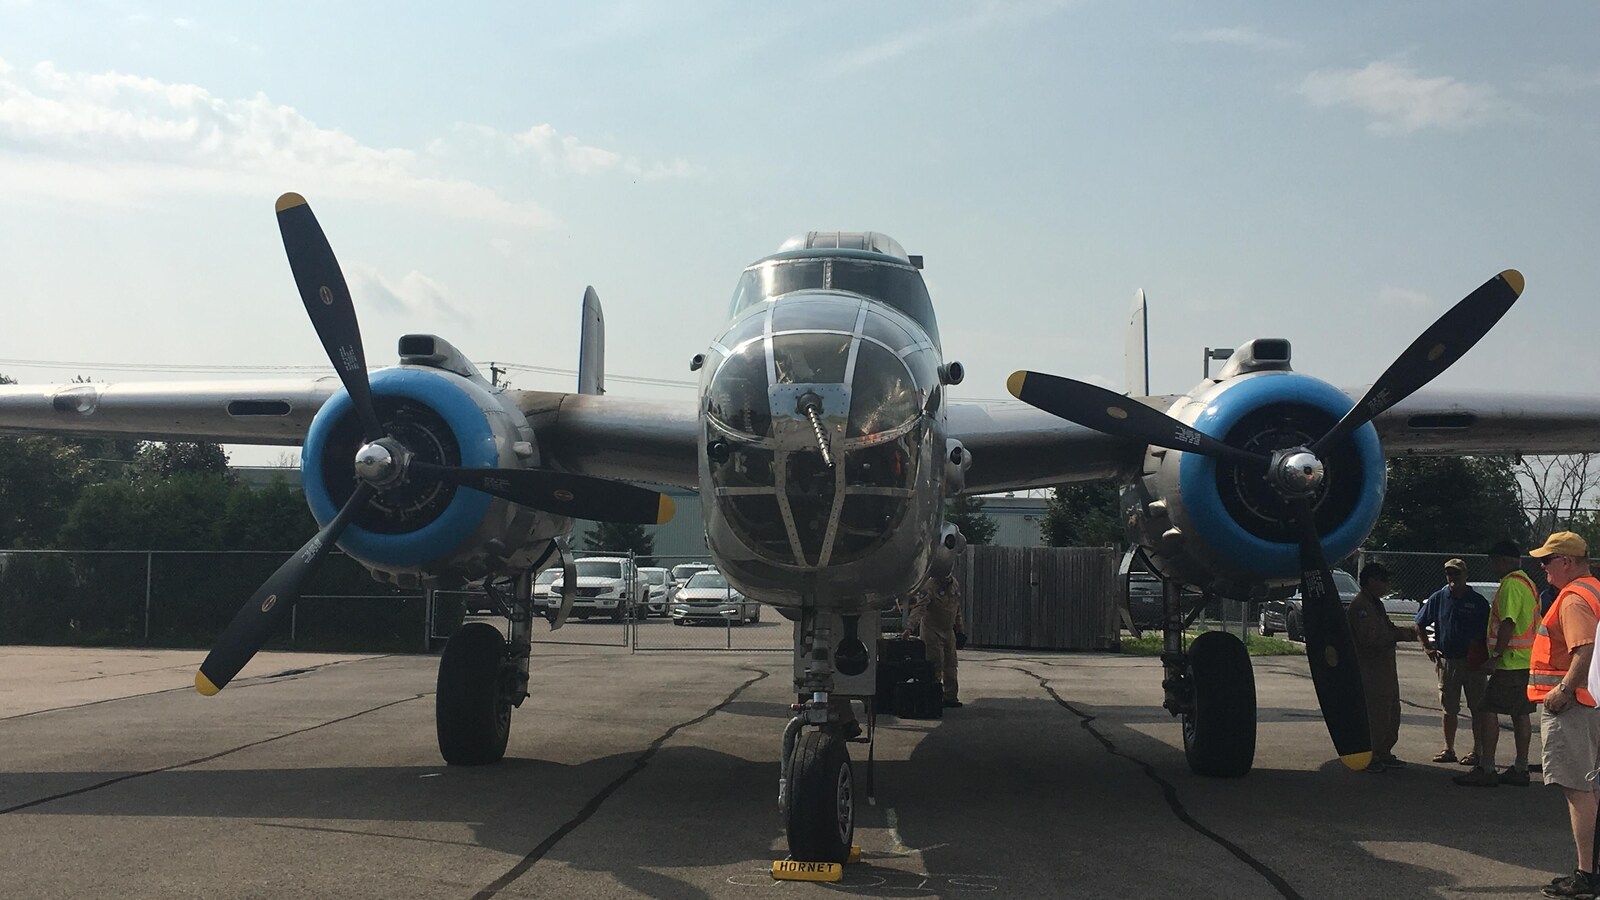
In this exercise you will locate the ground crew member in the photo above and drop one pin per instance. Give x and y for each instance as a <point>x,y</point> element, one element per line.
<point>1460,617</point>
<point>1558,676</point>
<point>1375,638</point>
<point>1512,618</point>
<point>937,607</point>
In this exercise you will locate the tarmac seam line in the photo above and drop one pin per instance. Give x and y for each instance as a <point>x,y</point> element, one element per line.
<point>203,759</point>
<point>1168,791</point>
<point>595,802</point>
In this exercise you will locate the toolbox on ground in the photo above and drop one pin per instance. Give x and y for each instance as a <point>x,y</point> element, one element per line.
<point>906,686</point>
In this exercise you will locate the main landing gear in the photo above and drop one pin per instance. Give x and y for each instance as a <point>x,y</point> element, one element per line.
<point>833,669</point>
<point>483,675</point>
<point>1211,687</point>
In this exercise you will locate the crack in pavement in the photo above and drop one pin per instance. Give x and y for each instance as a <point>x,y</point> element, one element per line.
<point>203,759</point>
<point>1169,792</point>
<point>595,802</point>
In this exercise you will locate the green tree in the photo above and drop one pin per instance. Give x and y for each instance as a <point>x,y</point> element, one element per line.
<point>966,513</point>
<point>161,460</point>
<point>39,480</point>
<point>621,536</point>
<point>1449,504</point>
<point>1084,515</point>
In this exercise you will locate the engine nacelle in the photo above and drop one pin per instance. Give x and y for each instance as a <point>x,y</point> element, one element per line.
<point>1220,525</point>
<point>423,531</point>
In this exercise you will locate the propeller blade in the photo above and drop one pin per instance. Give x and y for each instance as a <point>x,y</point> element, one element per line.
<point>578,496</point>
<point>569,584</point>
<point>1329,649</point>
<point>1445,341</point>
<point>1111,413</point>
<point>327,300</point>
<point>270,604</point>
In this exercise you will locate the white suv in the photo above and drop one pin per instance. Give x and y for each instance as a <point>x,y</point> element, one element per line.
<point>607,586</point>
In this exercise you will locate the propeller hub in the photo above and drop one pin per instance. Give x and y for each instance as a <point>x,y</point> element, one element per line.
<point>382,462</point>
<point>1297,472</point>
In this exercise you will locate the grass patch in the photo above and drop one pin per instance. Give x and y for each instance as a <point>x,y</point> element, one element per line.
<point>1255,645</point>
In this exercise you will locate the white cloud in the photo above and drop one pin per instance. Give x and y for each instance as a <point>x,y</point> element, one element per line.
<point>415,295</point>
<point>985,16</point>
<point>564,153</point>
<point>113,137</point>
<point>1389,295</point>
<point>1238,37</point>
<point>1563,80</point>
<point>1397,99</point>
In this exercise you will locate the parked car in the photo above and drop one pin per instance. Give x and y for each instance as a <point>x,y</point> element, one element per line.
<point>1146,605</point>
<point>708,597</point>
<point>683,571</point>
<point>1285,615</point>
<point>607,586</point>
<point>659,589</point>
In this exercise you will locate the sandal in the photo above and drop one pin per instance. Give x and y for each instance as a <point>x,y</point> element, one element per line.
<point>1471,759</point>
<point>1445,756</point>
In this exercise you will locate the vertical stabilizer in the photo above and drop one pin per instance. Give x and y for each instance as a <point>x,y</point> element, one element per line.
<point>592,346</point>
<point>1138,349</point>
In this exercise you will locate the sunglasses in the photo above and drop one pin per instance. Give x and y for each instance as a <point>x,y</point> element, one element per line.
<point>1550,559</point>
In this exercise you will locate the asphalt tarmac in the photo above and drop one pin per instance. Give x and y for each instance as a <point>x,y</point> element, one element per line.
<point>655,775</point>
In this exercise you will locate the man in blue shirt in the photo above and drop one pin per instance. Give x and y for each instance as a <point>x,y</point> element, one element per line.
<point>1460,618</point>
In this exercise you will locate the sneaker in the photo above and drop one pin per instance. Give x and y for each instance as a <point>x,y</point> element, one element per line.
<point>1445,756</point>
<point>1477,778</point>
<point>1471,759</point>
<point>1394,762</point>
<point>1579,885</point>
<point>953,704</point>
<point>1514,777</point>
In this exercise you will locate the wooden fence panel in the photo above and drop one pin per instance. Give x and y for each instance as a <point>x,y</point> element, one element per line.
<point>1041,598</point>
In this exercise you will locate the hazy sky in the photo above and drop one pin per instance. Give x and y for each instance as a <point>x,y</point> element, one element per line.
<point>1336,174</point>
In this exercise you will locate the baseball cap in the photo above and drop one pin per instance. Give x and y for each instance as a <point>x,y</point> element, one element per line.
<point>1505,548</point>
<point>1563,543</point>
<point>1454,563</point>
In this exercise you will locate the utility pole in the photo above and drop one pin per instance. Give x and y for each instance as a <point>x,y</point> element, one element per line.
<point>494,374</point>
<point>1213,353</point>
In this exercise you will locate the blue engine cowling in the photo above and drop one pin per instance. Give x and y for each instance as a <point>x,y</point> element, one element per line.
<point>424,531</point>
<point>1220,525</point>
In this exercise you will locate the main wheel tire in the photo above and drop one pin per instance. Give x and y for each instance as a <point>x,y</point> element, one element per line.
<point>472,712</point>
<point>1261,625</point>
<point>821,818</point>
<point>1219,734</point>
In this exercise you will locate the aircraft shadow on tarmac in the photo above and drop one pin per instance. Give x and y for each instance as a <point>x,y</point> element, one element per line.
<point>1109,809</point>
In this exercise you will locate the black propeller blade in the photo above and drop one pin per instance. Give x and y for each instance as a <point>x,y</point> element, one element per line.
<point>327,300</point>
<point>1329,648</point>
<point>271,603</point>
<point>578,496</point>
<point>1111,413</point>
<point>1445,341</point>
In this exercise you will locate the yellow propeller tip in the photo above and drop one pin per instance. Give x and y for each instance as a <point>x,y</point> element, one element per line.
<point>666,510</point>
<point>1355,762</point>
<point>1014,383</point>
<point>1513,278</point>
<point>289,201</point>
<point>204,685</point>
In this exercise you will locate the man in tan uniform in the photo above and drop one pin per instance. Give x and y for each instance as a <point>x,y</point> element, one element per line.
<point>936,606</point>
<point>1375,638</point>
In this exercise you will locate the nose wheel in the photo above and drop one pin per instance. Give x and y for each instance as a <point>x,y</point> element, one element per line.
<point>820,813</point>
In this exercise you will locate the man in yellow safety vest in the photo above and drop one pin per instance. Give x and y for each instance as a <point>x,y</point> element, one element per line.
<point>1558,675</point>
<point>1513,616</point>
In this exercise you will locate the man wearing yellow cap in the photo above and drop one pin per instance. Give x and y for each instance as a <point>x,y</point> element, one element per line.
<point>1558,678</point>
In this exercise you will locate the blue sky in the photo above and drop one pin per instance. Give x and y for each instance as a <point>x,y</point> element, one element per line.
<point>1334,174</point>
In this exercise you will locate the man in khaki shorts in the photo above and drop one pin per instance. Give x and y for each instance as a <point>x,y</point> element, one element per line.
<point>1558,677</point>
<point>1460,618</point>
<point>1513,617</point>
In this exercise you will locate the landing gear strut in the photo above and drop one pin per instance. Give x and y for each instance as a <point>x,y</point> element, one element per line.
<point>482,676</point>
<point>816,784</point>
<point>1211,687</point>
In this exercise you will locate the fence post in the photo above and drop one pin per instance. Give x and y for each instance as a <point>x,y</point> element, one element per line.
<point>427,619</point>
<point>149,564</point>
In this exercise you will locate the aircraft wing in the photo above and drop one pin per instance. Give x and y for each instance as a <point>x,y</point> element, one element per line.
<point>632,440</point>
<point>1017,447</point>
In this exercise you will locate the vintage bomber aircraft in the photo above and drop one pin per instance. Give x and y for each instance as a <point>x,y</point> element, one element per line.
<point>822,446</point>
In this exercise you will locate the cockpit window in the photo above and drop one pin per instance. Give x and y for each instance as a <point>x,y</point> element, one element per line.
<point>894,283</point>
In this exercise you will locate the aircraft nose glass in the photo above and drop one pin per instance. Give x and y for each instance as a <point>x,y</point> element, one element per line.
<point>737,399</point>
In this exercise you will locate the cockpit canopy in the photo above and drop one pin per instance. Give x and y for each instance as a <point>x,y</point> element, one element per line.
<point>887,279</point>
